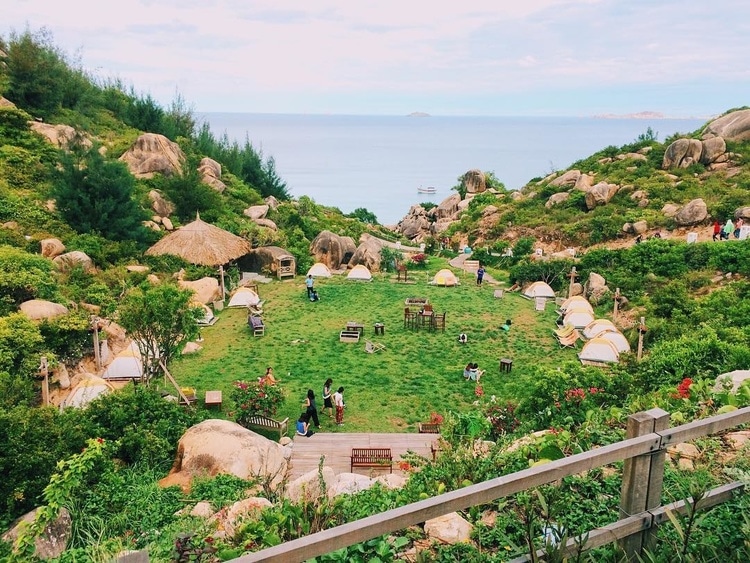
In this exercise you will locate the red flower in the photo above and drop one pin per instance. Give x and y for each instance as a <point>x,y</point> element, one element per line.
<point>478,391</point>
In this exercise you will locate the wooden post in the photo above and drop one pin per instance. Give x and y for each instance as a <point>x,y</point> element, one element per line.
<point>641,332</point>
<point>642,477</point>
<point>223,289</point>
<point>616,297</point>
<point>44,371</point>
<point>572,275</point>
<point>97,352</point>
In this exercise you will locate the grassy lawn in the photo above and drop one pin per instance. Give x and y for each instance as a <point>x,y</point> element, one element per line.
<point>419,371</point>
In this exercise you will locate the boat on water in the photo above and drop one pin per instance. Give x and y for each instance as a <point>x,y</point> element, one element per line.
<point>427,190</point>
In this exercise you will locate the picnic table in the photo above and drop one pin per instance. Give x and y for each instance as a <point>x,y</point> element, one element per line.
<point>359,327</point>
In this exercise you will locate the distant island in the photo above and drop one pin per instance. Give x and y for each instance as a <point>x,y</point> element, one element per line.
<point>639,115</point>
<point>418,114</point>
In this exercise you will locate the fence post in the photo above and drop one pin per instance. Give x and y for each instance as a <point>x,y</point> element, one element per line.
<point>642,478</point>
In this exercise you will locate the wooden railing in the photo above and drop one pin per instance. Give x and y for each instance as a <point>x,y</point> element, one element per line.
<point>644,453</point>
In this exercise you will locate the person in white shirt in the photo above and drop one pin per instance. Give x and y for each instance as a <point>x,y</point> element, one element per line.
<point>338,402</point>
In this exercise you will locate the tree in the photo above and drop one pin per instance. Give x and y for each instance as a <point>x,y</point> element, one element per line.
<point>23,276</point>
<point>366,216</point>
<point>94,195</point>
<point>160,319</point>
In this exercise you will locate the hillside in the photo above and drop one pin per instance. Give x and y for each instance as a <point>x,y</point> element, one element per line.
<point>93,174</point>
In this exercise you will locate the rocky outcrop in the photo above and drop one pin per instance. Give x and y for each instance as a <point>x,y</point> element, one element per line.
<point>474,181</point>
<point>52,541</point>
<point>39,309</point>
<point>368,253</point>
<point>556,199</point>
<point>584,183</point>
<point>600,194</point>
<point>222,447</point>
<point>5,103</point>
<point>692,213</point>
<point>153,154</point>
<point>595,288</point>
<point>568,179</point>
<point>734,126</point>
<point>272,202</point>
<point>69,260</point>
<point>159,204</point>
<point>267,223</point>
<point>256,212</point>
<point>682,153</point>
<point>249,508</point>
<point>742,213</point>
<point>415,224</point>
<point>51,247</point>
<point>210,173</point>
<point>332,250</point>
<point>449,528</point>
<point>61,136</point>
<point>447,208</point>
<point>308,487</point>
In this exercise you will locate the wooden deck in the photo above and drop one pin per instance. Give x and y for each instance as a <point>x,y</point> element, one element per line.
<point>337,448</point>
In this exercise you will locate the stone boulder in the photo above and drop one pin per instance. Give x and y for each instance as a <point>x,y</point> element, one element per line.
<point>692,213</point>
<point>151,154</point>
<point>51,247</point>
<point>307,488</point>
<point>670,209</point>
<point>714,150</point>
<point>69,260</point>
<point>167,223</point>
<point>39,309</point>
<point>568,179</point>
<point>52,542</point>
<point>215,447</point>
<point>267,223</point>
<point>416,223</point>
<point>256,212</point>
<point>206,289</point>
<point>584,183</point>
<point>556,199</point>
<point>210,173</point>
<point>682,153</point>
<point>733,126</point>
<point>348,484</point>
<point>264,259</point>
<point>332,250</point>
<point>159,204</point>
<point>631,156</point>
<point>600,194</point>
<point>61,136</point>
<point>367,253</point>
<point>447,208</point>
<point>640,227</point>
<point>742,213</point>
<point>449,528</point>
<point>5,103</point>
<point>474,181</point>
<point>245,509</point>
<point>272,202</point>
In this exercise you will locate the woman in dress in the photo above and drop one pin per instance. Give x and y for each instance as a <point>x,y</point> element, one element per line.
<point>327,401</point>
<point>269,378</point>
<point>310,409</point>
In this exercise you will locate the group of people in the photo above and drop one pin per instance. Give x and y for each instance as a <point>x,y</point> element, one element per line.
<point>331,401</point>
<point>723,232</point>
<point>472,372</point>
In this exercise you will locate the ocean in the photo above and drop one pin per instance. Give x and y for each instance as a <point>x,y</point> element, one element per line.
<point>379,162</point>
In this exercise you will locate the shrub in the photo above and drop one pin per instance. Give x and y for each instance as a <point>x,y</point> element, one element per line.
<point>255,397</point>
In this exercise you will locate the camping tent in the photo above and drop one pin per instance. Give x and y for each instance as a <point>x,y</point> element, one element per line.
<point>578,318</point>
<point>445,277</point>
<point>124,367</point>
<point>599,351</point>
<point>617,338</point>
<point>319,270</point>
<point>576,302</point>
<point>539,289</point>
<point>359,272</point>
<point>208,318</point>
<point>86,391</point>
<point>594,328</point>
<point>243,297</point>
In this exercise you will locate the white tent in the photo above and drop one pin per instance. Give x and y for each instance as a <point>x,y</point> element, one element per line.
<point>208,317</point>
<point>359,272</point>
<point>445,277</point>
<point>124,367</point>
<point>599,351</point>
<point>243,297</point>
<point>319,270</point>
<point>86,391</point>
<point>576,302</point>
<point>539,289</point>
<point>578,318</point>
<point>617,338</point>
<point>594,328</point>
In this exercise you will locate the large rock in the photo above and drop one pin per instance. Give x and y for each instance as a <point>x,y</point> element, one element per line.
<point>240,511</point>
<point>216,447</point>
<point>267,223</point>
<point>474,181</point>
<point>39,309</point>
<point>332,250</point>
<point>734,126</point>
<point>449,528</point>
<point>568,179</point>
<point>682,153</point>
<point>62,136</point>
<point>256,211</point>
<point>206,289</point>
<point>447,208</point>
<point>210,173</point>
<point>69,260</point>
<point>367,253</point>
<point>4,103</point>
<point>416,223</point>
<point>51,247</point>
<point>714,150</point>
<point>308,487</point>
<point>556,199</point>
<point>151,154</point>
<point>742,213</point>
<point>272,202</point>
<point>584,183</point>
<point>692,213</point>
<point>348,484</point>
<point>264,259</point>
<point>159,204</point>
<point>600,194</point>
<point>52,542</point>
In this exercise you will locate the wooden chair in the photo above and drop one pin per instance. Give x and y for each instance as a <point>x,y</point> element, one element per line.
<point>372,347</point>
<point>438,322</point>
<point>569,341</point>
<point>426,315</point>
<point>411,318</point>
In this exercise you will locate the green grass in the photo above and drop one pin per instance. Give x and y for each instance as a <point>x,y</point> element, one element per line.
<point>419,371</point>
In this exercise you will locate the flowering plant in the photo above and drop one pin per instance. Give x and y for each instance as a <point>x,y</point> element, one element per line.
<point>502,418</point>
<point>436,418</point>
<point>419,259</point>
<point>255,397</point>
<point>683,389</point>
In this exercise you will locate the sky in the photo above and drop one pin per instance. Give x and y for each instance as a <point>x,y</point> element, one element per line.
<point>682,58</point>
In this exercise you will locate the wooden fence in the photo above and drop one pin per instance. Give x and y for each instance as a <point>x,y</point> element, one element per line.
<point>644,452</point>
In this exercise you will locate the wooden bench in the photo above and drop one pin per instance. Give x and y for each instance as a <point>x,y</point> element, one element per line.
<point>372,457</point>
<point>349,336</point>
<point>265,423</point>
<point>429,428</point>
<point>257,325</point>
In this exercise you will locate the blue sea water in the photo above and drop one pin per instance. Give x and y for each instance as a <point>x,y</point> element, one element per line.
<point>378,162</point>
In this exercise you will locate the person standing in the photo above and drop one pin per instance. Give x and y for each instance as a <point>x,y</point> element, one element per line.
<point>727,230</point>
<point>717,230</point>
<point>738,227</point>
<point>310,409</point>
<point>480,275</point>
<point>327,401</point>
<point>309,283</point>
<point>338,402</point>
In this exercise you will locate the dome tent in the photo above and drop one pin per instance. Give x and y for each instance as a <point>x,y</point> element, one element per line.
<point>243,297</point>
<point>539,289</point>
<point>599,351</point>
<point>359,272</point>
<point>576,302</point>
<point>578,318</point>
<point>617,338</point>
<point>319,270</point>
<point>445,278</point>
<point>594,328</point>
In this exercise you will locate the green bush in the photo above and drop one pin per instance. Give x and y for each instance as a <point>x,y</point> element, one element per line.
<point>23,276</point>
<point>255,397</point>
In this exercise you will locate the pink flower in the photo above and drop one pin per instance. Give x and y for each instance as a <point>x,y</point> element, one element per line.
<point>478,391</point>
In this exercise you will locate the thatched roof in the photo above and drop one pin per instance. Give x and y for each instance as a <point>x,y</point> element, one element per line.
<point>202,244</point>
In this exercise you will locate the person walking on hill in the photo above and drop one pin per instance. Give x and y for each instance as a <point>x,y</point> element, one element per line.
<point>309,281</point>
<point>310,408</point>
<point>727,230</point>
<point>717,230</point>
<point>338,401</point>
<point>480,275</point>
<point>327,401</point>
<point>738,227</point>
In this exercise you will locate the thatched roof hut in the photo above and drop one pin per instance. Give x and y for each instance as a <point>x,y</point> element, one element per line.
<point>202,244</point>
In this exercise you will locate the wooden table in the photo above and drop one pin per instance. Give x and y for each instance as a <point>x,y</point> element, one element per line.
<point>359,327</point>
<point>213,399</point>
